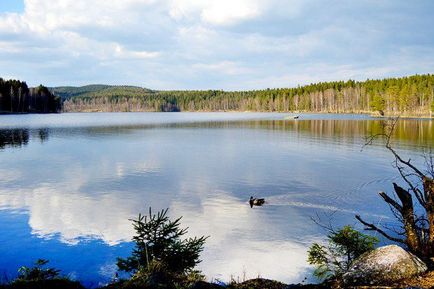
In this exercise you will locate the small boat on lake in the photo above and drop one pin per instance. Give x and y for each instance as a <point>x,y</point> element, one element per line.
<point>291,117</point>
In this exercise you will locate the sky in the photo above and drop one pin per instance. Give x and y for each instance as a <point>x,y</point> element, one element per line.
<point>213,44</point>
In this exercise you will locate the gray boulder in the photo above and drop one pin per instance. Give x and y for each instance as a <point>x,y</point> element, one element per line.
<point>383,266</point>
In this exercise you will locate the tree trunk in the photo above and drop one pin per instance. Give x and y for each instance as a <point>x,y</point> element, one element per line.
<point>407,212</point>
<point>428,187</point>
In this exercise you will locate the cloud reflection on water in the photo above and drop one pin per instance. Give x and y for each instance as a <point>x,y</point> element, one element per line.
<point>231,250</point>
<point>84,184</point>
<point>241,242</point>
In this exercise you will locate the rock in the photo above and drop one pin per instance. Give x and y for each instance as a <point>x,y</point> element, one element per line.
<point>383,266</point>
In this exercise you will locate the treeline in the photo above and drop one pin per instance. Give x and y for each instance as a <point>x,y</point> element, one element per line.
<point>407,95</point>
<point>17,97</point>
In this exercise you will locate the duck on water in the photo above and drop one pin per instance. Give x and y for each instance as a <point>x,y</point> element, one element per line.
<point>256,202</point>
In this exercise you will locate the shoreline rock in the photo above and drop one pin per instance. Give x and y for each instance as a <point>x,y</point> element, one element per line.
<point>383,266</point>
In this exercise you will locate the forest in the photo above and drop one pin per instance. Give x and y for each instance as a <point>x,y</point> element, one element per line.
<point>17,97</point>
<point>412,95</point>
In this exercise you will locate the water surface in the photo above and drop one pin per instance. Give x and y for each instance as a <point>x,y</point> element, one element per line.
<point>70,182</point>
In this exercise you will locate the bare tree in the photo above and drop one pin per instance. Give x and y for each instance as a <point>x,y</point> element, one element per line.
<point>414,206</point>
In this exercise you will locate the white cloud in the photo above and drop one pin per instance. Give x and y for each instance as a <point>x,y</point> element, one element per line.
<point>121,52</point>
<point>227,12</point>
<point>232,12</point>
<point>225,67</point>
<point>70,14</point>
<point>216,12</point>
<point>180,9</point>
<point>67,21</point>
<point>181,44</point>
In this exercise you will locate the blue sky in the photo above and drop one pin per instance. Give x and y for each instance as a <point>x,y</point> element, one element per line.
<point>12,6</point>
<point>213,44</point>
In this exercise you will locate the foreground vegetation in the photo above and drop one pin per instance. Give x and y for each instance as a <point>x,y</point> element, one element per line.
<point>41,277</point>
<point>162,260</point>
<point>413,95</point>
<point>344,246</point>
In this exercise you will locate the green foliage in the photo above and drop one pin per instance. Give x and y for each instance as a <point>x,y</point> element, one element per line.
<point>317,255</point>
<point>344,246</point>
<point>38,272</point>
<point>157,275</point>
<point>40,277</point>
<point>378,103</point>
<point>159,244</point>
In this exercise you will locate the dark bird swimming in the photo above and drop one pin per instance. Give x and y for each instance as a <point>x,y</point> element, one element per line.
<point>256,202</point>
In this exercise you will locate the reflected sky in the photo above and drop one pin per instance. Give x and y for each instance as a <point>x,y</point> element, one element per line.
<point>70,182</point>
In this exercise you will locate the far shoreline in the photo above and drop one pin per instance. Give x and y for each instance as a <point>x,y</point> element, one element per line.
<point>367,113</point>
<point>375,115</point>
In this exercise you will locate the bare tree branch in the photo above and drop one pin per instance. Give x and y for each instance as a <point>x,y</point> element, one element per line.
<point>372,227</point>
<point>391,201</point>
<point>429,162</point>
<point>418,226</point>
<point>328,227</point>
<point>419,195</point>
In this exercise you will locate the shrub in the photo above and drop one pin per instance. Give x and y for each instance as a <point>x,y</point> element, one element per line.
<point>344,246</point>
<point>39,277</point>
<point>37,272</point>
<point>160,254</point>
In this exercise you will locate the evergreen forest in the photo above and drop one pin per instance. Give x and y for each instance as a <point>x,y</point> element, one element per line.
<point>413,95</point>
<point>17,97</point>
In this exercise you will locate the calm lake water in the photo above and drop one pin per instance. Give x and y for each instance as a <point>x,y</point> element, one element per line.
<point>70,182</point>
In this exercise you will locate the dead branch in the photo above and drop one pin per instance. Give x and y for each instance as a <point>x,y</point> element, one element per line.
<point>372,227</point>
<point>391,201</point>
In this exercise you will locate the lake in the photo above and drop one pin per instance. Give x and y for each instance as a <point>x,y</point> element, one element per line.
<point>69,183</point>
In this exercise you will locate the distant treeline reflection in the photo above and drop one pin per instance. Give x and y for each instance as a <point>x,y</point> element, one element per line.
<point>415,132</point>
<point>412,132</point>
<point>20,137</point>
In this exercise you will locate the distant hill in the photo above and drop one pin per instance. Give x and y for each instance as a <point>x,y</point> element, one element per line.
<point>66,92</point>
<point>96,90</point>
